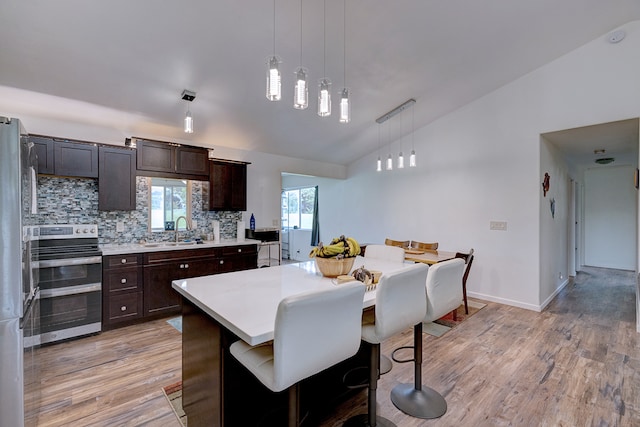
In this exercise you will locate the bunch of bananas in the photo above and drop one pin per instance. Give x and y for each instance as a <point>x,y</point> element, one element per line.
<point>340,247</point>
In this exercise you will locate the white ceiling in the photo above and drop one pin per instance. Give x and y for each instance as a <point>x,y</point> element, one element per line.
<point>619,140</point>
<point>138,56</point>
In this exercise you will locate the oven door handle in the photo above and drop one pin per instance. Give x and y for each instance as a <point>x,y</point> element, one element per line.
<point>70,290</point>
<point>49,263</point>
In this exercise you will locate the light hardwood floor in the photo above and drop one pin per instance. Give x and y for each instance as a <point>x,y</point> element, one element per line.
<point>575,364</point>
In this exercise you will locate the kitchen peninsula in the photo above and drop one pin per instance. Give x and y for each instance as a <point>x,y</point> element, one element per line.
<point>217,310</point>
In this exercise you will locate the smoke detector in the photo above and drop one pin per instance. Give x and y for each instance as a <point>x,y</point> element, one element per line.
<point>616,36</point>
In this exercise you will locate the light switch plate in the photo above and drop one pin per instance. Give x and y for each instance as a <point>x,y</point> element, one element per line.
<point>194,224</point>
<point>119,226</point>
<point>498,225</point>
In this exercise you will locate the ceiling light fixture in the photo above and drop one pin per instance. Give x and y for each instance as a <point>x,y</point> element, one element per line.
<point>412,157</point>
<point>274,91</point>
<point>301,89</point>
<point>400,156</point>
<point>188,95</point>
<point>379,163</point>
<point>324,86</point>
<point>345,105</point>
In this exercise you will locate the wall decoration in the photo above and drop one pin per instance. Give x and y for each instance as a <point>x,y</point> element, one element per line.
<point>545,183</point>
<point>552,205</point>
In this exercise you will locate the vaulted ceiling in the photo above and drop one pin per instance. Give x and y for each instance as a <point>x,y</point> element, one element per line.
<point>136,57</point>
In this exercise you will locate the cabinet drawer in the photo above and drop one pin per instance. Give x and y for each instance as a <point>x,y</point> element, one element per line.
<point>123,279</point>
<point>239,250</point>
<point>114,261</point>
<point>125,306</point>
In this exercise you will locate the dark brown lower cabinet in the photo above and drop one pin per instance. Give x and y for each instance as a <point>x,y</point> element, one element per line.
<point>153,296</point>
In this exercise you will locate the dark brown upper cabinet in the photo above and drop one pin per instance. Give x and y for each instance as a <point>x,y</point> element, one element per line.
<point>169,160</point>
<point>65,157</point>
<point>117,179</point>
<point>227,186</point>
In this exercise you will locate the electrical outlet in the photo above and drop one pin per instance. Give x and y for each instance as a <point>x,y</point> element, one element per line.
<point>275,222</point>
<point>194,224</point>
<point>498,225</point>
<point>119,226</point>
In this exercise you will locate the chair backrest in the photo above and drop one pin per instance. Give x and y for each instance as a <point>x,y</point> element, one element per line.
<point>444,288</point>
<point>315,330</point>
<point>468,259</point>
<point>425,246</point>
<point>384,252</point>
<point>399,243</point>
<point>400,302</point>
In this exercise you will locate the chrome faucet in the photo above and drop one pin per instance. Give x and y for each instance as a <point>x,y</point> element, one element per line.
<point>187,223</point>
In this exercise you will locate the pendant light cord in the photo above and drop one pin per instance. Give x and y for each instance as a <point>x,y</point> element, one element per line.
<point>301,33</point>
<point>324,41</point>
<point>344,42</point>
<point>274,27</point>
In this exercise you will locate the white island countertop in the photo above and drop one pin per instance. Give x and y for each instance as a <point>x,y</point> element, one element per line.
<point>130,248</point>
<point>245,302</point>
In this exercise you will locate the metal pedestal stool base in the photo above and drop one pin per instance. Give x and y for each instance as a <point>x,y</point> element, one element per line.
<point>415,399</point>
<point>363,421</point>
<point>385,364</point>
<point>425,403</point>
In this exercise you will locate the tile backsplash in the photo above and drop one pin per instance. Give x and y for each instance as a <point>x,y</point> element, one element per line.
<point>75,201</point>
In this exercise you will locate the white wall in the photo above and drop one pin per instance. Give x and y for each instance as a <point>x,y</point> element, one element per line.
<point>610,217</point>
<point>554,228</point>
<point>482,163</point>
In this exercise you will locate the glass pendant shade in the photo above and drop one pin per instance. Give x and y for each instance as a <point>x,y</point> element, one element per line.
<point>188,123</point>
<point>400,161</point>
<point>274,91</point>
<point>389,163</point>
<point>379,165</point>
<point>324,98</point>
<point>301,90</point>
<point>412,159</point>
<point>345,106</point>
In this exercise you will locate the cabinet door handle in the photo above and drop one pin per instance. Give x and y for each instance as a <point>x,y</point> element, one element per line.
<point>123,308</point>
<point>123,260</point>
<point>181,265</point>
<point>239,250</point>
<point>221,261</point>
<point>186,266</point>
<point>123,281</point>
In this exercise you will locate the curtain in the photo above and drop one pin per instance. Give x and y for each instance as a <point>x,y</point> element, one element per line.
<point>315,227</point>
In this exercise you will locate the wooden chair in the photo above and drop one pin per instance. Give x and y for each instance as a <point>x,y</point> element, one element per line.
<point>399,243</point>
<point>424,246</point>
<point>468,259</point>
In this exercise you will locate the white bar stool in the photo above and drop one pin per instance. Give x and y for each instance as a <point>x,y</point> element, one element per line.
<point>313,331</point>
<point>400,304</point>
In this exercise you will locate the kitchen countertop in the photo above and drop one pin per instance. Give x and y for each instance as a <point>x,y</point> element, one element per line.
<point>130,248</point>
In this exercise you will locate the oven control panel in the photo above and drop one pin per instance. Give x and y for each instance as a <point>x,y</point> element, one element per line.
<point>68,231</point>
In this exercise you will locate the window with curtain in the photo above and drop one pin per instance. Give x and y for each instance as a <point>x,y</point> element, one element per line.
<point>298,208</point>
<point>170,199</point>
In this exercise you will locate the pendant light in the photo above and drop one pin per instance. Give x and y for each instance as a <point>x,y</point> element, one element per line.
<point>412,157</point>
<point>188,96</point>
<point>389,159</point>
<point>324,87</point>
<point>274,91</point>
<point>301,89</point>
<point>345,105</point>
<point>379,163</point>
<point>400,156</point>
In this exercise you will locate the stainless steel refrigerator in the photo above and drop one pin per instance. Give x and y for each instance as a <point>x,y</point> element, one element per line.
<point>19,294</point>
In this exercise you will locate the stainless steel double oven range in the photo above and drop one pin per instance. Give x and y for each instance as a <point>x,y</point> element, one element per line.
<point>70,264</point>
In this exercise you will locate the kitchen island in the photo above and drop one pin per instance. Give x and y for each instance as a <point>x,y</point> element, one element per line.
<point>217,310</point>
